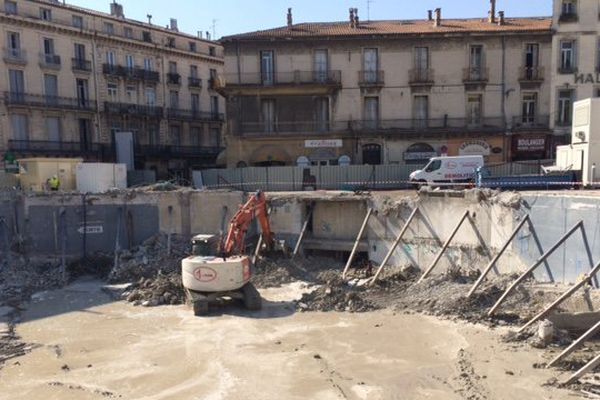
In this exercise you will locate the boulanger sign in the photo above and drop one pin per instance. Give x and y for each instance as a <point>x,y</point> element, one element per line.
<point>475,148</point>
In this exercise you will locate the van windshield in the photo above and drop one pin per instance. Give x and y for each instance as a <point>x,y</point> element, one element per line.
<point>433,166</point>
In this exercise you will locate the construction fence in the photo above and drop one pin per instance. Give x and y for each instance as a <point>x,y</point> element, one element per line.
<point>352,177</point>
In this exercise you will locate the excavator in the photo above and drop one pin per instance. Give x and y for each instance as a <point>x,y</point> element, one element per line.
<point>218,268</point>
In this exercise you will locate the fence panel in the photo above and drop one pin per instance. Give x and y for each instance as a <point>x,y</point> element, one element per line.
<point>254,178</point>
<point>284,179</point>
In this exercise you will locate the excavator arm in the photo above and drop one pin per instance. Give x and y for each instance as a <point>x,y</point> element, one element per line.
<point>255,207</point>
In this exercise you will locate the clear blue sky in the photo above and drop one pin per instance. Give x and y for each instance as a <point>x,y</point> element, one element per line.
<point>237,16</point>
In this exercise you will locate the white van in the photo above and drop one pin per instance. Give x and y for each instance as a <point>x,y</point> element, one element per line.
<point>448,170</point>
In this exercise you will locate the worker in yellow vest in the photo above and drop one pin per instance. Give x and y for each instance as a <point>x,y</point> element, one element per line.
<point>54,183</point>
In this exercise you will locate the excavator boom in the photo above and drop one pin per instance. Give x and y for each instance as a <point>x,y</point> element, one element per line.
<point>255,207</point>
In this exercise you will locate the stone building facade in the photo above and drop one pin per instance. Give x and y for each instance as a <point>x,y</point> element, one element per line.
<point>389,92</point>
<point>74,79</point>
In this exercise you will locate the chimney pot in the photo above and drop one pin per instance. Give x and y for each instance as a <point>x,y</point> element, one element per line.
<point>351,17</point>
<point>492,12</point>
<point>438,17</point>
<point>116,10</point>
<point>430,15</point>
<point>356,20</point>
<point>290,20</point>
<point>501,18</point>
<point>173,25</point>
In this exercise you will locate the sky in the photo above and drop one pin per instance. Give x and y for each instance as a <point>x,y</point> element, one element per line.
<point>238,16</point>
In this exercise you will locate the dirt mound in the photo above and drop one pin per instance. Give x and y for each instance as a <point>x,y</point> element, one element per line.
<point>160,290</point>
<point>279,270</point>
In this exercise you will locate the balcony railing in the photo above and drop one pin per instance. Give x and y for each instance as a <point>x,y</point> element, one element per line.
<point>173,78</point>
<point>475,75</point>
<point>568,17</point>
<point>133,109</point>
<point>194,82</point>
<point>282,78</point>
<point>567,69</point>
<point>399,126</point>
<point>81,65</point>
<point>194,115</point>
<point>371,78</point>
<point>531,74</point>
<point>50,61</point>
<point>54,148</point>
<point>168,151</point>
<point>134,73</point>
<point>531,122</point>
<point>35,100</point>
<point>15,56</point>
<point>421,76</point>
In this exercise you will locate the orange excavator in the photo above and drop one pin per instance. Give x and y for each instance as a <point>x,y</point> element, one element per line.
<point>218,270</point>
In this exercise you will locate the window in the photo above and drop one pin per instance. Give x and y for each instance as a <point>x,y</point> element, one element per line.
<point>371,112</point>
<point>148,64</point>
<point>565,101</point>
<point>532,59</point>
<point>193,47</point>
<point>193,71</point>
<point>321,65</point>
<point>53,129</point>
<point>51,87</point>
<point>82,92</point>
<point>19,125</point>
<point>421,111</point>
<point>172,67</point>
<point>174,99</point>
<point>214,105</point>
<point>476,63</point>
<point>421,71</point>
<point>212,51</point>
<point>113,92</point>
<point>267,67</point>
<point>146,36</point>
<point>214,137</point>
<point>196,136</point>
<point>171,42</point>
<point>569,7</point>
<point>16,81</point>
<point>433,166</point>
<point>13,44</point>
<point>79,52</point>
<point>78,21</point>
<point>370,65</point>
<point>48,46</point>
<point>268,115</point>
<point>529,108</point>
<point>131,94</point>
<point>213,74</point>
<point>474,109</point>
<point>109,28</point>
<point>195,102</point>
<point>46,14</point>
<point>128,33</point>
<point>129,61</point>
<point>10,7</point>
<point>150,96</point>
<point>567,56</point>
<point>322,114</point>
<point>175,132</point>
<point>110,58</point>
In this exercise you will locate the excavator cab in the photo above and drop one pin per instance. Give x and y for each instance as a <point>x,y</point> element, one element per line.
<point>205,245</point>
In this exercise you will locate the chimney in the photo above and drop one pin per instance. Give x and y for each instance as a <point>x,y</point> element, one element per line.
<point>356,20</point>
<point>429,15</point>
<point>492,13</point>
<point>174,25</point>
<point>290,19</point>
<point>438,17</point>
<point>352,23</point>
<point>199,34</point>
<point>500,17</point>
<point>207,35</point>
<point>149,16</point>
<point>116,10</point>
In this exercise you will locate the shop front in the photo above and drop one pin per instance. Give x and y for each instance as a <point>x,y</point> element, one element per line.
<point>535,146</point>
<point>492,149</point>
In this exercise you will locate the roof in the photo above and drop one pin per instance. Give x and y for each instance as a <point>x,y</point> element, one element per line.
<point>397,28</point>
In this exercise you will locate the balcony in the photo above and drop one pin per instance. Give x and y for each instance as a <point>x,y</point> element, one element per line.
<point>419,77</point>
<point>568,17</point>
<point>401,127</point>
<point>168,152</point>
<point>53,102</point>
<point>81,65</point>
<point>292,82</point>
<point>475,75</point>
<point>534,75</point>
<point>194,115</point>
<point>531,122</point>
<point>195,83</point>
<point>15,56</point>
<point>173,79</point>
<point>56,148</point>
<point>567,69</point>
<point>130,73</point>
<point>50,61</point>
<point>372,79</point>
<point>133,109</point>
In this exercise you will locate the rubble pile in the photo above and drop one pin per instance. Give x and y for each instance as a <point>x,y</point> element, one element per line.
<point>150,259</point>
<point>152,292</point>
<point>11,345</point>
<point>336,295</point>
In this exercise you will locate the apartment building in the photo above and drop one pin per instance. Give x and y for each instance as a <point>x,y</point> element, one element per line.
<point>75,80</point>
<point>576,58</point>
<point>389,92</point>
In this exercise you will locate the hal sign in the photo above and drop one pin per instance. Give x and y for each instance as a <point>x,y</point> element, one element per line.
<point>587,78</point>
<point>474,148</point>
<point>91,230</point>
<point>316,143</point>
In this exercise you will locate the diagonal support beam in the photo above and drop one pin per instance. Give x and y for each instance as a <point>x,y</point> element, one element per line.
<point>302,233</point>
<point>562,298</point>
<point>394,246</point>
<point>444,248</point>
<point>589,367</point>
<point>357,242</point>
<point>532,268</point>
<point>538,244</point>
<point>588,335</point>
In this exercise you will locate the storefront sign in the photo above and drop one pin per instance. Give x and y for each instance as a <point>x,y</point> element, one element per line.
<point>530,145</point>
<point>587,78</point>
<point>332,143</point>
<point>424,155</point>
<point>474,148</point>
